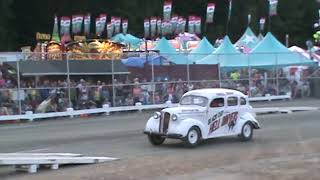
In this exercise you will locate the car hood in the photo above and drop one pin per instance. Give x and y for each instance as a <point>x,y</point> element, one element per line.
<point>185,110</point>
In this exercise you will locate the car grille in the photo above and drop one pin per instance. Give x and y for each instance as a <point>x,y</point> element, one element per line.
<point>164,122</point>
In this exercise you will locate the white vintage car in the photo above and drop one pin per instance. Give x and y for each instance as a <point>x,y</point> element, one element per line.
<point>204,114</point>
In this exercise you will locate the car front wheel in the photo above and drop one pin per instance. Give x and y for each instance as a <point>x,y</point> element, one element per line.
<point>193,137</point>
<point>156,140</point>
<point>246,132</point>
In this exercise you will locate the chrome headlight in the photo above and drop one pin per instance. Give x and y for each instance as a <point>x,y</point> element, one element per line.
<point>174,117</point>
<point>156,115</point>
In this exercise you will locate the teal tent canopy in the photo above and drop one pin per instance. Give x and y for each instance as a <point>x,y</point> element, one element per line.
<point>270,52</point>
<point>128,39</point>
<point>248,41</point>
<point>169,52</point>
<point>203,49</point>
<point>226,55</point>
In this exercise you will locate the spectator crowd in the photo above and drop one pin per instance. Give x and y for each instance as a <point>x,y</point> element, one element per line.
<point>52,95</point>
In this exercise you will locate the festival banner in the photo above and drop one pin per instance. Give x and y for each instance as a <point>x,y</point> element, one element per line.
<point>98,26</point>
<point>174,23</point>
<point>159,22</point>
<point>153,25</point>
<point>164,28</point>
<point>179,26</point>
<point>55,34</point>
<point>168,27</point>
<point>65,23</point>
<point>77,21</point>
<point>184,24</point>
<point>125,26</point>
<point>191,24</point>
<point>146,25</point>
<point>87,24</point>
<point>167,8</point>
<point>117,26</point>
<point>110,30</point>
<point>230,10</point>
<point>262,23</point>
<point>197,25</point>
<point>113,21</point>
<point>273,5</point>
<point>210,12</point>
<point>103,22</point>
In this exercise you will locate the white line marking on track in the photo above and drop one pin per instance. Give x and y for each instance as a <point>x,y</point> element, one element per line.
<point>34,150</point>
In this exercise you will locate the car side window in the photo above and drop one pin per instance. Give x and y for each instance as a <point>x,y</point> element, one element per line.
<point>232,101</point>
<point>243,101</point>
<point>218,102</point>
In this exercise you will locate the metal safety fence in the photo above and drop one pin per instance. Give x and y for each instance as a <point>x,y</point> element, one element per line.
<point>39,83</point>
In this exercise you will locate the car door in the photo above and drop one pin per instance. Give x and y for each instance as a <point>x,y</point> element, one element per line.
<point>214,116</point>
<point>230,116</point>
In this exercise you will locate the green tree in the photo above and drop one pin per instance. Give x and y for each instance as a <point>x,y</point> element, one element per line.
<point>7,31</point>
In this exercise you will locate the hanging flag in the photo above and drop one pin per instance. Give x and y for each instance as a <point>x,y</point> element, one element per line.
<point>55,33</point>
<point>262,23</point>
<point>249,19</point>
<point>159,22</point>
<point>197,23</point>
<point>174,23</point>
<point>87,24</point>
<point>167,8</point>
<point>180,24</point>
<point>210,12</point>
<point>163,28</point>
<point>230,10</point>
<point>273,5</point>
<point>65,23</point>
<point>109,30</point>
<point>77,21</point>
<point>98,26</point>
<point>168,27</point>
<point>183,26</point>
<point>191,24</point>
<point>125,26</point>
<point>146,28</point>
<point>113,22</point>
<point>153,25</point>
<point>103,22</point>
<point>117,24</point>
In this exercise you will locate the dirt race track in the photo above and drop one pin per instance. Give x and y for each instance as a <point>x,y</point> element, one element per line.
<point>287,147</point>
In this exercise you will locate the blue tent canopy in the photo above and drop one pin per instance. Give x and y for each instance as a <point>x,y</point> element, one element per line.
<point>134,62</point>
<point>141,61</point>
<point>270,52</point>
<point>248,40</point>
<point>127,39</point>
<point>167,51</point>
<point>203,49</point>
<point>226,55</point>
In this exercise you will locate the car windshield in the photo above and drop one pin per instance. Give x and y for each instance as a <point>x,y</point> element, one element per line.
<point>194,100</point>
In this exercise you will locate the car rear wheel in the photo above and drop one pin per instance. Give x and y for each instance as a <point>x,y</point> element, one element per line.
<point>246,132</point>
<point>156,140</point>
<point>193,137</point>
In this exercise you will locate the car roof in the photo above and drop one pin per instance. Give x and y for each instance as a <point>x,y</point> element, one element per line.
<point>210,92</point>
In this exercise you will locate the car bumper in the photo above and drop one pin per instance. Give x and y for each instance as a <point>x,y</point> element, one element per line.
<point>256,125</point>
<point>172,136</point>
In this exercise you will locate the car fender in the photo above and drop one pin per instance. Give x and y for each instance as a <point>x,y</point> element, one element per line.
<point>152,125</point>
<point>185,125</point>
<point>245,117</point>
